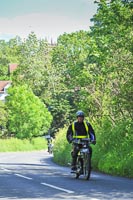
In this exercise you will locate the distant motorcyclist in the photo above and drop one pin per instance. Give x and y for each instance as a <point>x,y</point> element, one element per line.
<point>78,130</point>
<point>50,145</point>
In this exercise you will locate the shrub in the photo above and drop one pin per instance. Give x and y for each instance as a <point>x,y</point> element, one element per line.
<point>62,148</point>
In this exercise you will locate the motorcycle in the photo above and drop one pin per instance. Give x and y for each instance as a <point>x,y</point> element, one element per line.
<point>83,164</point>
<point>50,148</point>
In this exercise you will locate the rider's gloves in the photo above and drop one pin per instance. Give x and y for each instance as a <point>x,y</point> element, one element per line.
<point>93,142</point>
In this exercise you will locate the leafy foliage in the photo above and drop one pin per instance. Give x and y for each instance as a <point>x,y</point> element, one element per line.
<point>9,53</point>
<point>34,65</point>
<point>3,118</point>
<point>28,116</point>
<point>61,148</point>
<point>113,154</point>
<point>112,32</point>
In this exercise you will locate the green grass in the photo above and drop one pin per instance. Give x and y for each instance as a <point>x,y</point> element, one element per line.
<point>14,144</point>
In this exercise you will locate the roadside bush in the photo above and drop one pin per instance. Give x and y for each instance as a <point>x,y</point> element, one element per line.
<point>14,144</point>
<point>62,148</point>
<point>113,152</point>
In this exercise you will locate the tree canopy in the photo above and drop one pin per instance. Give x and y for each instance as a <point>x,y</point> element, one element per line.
<point>28,116</point>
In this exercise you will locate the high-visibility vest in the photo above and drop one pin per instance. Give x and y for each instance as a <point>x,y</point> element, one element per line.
<point>80,136</point>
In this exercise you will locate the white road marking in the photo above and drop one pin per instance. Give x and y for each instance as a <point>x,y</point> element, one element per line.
<point>5,169</point>
<point>23,176</point>
<point>58,188</point>
<point>49,185</point>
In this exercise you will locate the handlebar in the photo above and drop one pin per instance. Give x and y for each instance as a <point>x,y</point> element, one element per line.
<point>81,141</point>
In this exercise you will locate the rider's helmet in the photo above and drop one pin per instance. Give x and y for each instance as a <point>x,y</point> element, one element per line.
<point>80,113</point>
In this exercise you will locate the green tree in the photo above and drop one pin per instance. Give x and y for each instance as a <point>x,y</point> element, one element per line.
<point>112,32</point>
<point>34,65</point>
<point>68,64</point>
<point>3,118</point>
<point>9,53</point>
<point>3,60</point>
<point>28,116</point>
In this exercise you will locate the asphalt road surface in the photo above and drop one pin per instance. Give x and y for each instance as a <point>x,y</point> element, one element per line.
<point>33,175</point>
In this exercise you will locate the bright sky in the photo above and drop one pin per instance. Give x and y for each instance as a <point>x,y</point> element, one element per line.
<point>46,18</point>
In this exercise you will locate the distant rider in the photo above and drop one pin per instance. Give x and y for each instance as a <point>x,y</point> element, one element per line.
<point>49,143</point>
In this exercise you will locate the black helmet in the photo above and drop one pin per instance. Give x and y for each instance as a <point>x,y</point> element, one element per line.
<point>80,113</point>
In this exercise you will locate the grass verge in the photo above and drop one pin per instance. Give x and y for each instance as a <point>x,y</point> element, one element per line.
<point>14,144</point>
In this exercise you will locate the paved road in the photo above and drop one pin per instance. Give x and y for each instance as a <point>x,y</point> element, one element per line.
<point>33,175</point>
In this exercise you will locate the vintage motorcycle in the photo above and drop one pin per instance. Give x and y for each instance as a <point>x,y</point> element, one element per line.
<point>83,164</point>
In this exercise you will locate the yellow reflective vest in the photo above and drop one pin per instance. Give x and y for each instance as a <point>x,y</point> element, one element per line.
<point>80,136</point>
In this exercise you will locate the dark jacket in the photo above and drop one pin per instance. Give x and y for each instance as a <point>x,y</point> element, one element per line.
<point>80,130</point>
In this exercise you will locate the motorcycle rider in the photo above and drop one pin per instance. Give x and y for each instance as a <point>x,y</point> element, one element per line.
<point>49,143</point>
<point>78,130</point>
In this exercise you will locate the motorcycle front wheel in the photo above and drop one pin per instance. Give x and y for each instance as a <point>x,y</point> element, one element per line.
<point>87,166</point>
<point>79,167</point>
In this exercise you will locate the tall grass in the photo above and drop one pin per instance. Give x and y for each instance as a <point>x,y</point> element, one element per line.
<point>14,144</point>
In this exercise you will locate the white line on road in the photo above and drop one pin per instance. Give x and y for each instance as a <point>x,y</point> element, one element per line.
<point>23,176</point>
<point>5,169</point>
<point>58,188</point>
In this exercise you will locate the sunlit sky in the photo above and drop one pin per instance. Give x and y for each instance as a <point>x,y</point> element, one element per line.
<point>46,18</point>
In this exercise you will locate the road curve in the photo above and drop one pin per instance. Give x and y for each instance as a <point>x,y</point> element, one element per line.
<point>33,175</point>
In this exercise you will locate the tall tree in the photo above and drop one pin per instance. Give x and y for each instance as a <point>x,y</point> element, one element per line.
<point>34,64</point>
<point>9,53</point>
<point>112,32</point>
<point>3,118</point>
<point>69,77</point>
<point>28,116</point>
